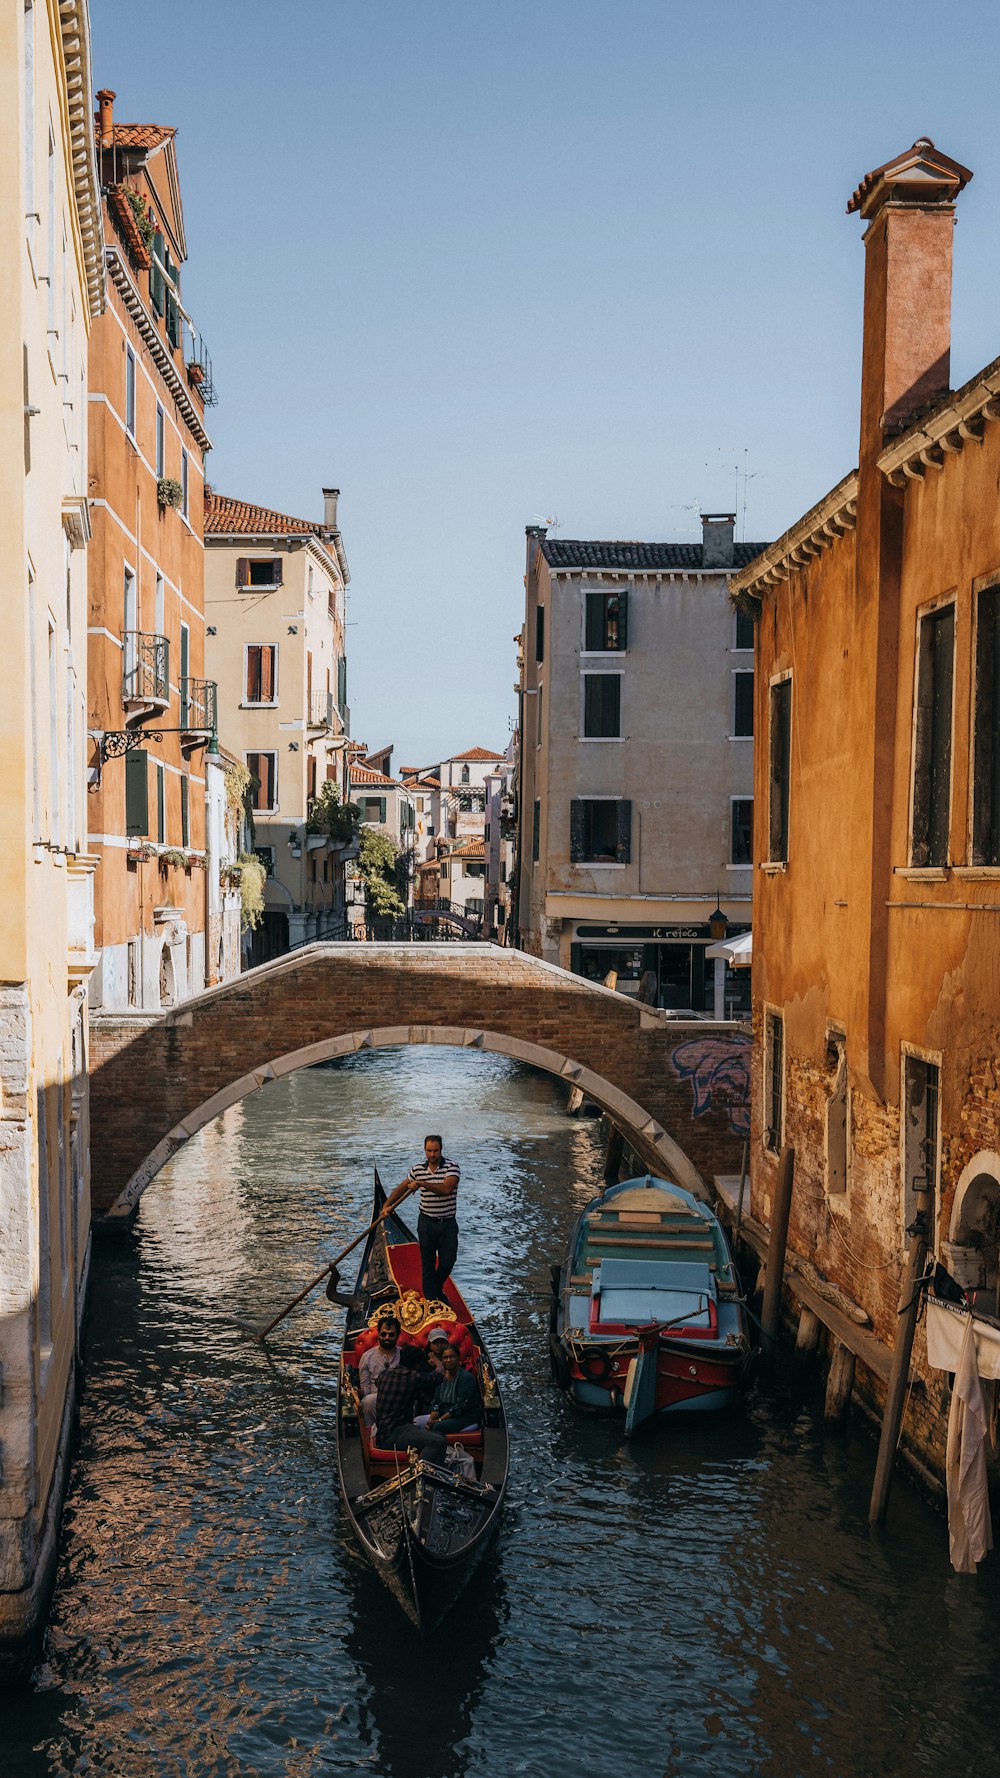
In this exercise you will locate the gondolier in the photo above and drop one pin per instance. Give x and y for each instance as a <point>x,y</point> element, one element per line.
<point>437,1223</point>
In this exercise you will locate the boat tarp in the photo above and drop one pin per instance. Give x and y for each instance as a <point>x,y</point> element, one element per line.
<point>635,1291</point>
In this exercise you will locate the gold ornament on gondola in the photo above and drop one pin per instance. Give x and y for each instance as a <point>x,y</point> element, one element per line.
<point>413,1311</point>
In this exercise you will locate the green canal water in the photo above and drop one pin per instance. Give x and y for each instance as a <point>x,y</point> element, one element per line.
<point>705,1600</point>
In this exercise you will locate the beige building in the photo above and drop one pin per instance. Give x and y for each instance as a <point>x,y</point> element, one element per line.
<point>275,607</point>
<point>636,791</point>
<point>499,845</point>
<point>51,289</point>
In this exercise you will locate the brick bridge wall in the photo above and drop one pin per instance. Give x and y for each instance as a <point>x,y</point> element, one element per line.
<point>678,1091</point>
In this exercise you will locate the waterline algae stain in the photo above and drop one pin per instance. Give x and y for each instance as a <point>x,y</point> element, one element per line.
<point>704,1601</point>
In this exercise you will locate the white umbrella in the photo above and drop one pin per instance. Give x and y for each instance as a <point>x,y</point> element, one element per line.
<point>736,951</point>
<point>970,1533</point>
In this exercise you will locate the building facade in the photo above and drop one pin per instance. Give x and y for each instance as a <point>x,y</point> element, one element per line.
<point>500,849</point>
<point>275,603</point>
<point>151,707</point>
<point>876,919</point>
<point>636,762</point>
<point>51,295</point>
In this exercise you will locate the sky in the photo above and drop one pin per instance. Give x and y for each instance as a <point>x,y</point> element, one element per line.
<point>488,265</point>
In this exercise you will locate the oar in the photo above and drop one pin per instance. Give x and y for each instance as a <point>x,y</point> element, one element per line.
<point>328,1268</point>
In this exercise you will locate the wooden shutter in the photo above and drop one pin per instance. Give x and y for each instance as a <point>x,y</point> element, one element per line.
<point>342,684</point>
<point>267,655</point>
<point>577,814</point>
<point>242,571</point>
<point>254,653</point>
<point>277,571</point>
<point>136,795</point>
<point>623,850</point>
<point>623,619</point>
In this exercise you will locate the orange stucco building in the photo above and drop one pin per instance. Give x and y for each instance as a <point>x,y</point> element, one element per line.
<point>151,711</point>
<point>876,969</point>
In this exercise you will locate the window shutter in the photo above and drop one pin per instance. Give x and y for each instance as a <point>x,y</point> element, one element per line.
<point>593,636</point>
<point>342,684</point>
<point>253,673</point>
<point>591,705</point>
<point>576,819</point>
<point>624,847</point>
<point>185,814</point>
<point>267,675</point>
<point>381,809</point>
<point>270,778</point>
<point>242,571</point>
<point>277,571</point>
<point>540,633</point>
<point>623,619</point>
<point>161,806</point>
<point>136,795</point>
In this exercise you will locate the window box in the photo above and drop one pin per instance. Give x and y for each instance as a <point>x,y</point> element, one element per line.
<point>168,492</point>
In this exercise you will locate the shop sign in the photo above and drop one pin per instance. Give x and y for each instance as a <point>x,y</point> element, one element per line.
<point>632,934</point>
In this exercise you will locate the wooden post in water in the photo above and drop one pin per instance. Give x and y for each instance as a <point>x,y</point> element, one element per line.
<point>780,1211</point>
<point>839,1384</point>
<point>909,1304</point>
<point>806,1339</point>
<point>616,1141</point>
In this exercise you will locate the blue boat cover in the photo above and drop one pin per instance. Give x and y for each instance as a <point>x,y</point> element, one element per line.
<point>633,1292</point>
<point>654,1274</point>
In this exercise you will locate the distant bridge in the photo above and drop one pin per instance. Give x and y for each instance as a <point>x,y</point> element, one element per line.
<point>677,1091</point>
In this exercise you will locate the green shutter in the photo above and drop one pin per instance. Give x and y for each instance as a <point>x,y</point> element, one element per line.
<point>185,814</point>
<point>576,820</point>
<point>624,847</point>
<point>161,806</point>
<point>623,619</point>
<point>342,684</point>
<point>136,795</point>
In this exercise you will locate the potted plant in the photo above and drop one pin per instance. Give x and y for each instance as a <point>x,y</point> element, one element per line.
<point>169,491</point>
<point>173,855</point>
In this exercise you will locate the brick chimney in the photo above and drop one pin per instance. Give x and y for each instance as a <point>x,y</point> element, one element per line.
<point>909,206</point>
<point>718,530</point>
<point>330,498</point>
<point>105,117</point>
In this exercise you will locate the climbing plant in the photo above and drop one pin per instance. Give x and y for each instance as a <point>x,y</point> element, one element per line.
<point>378,865</point>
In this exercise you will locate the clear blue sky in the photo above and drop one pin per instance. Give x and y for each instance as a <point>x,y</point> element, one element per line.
<point>480,264</point>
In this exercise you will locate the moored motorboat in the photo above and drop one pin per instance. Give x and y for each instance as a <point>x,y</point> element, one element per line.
<point>422,1526</point>
<point>647,1316</point>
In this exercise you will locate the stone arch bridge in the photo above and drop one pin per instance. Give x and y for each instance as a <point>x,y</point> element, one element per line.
<point>677,1091</point>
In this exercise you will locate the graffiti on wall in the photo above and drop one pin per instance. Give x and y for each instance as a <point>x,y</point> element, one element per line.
<point>718,1069</point>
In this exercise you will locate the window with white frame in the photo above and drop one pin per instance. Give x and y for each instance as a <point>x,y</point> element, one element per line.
<point>743,702</point>
<point>601,697</point>
<point>261,673</point>
<point>741,830</point>
<point>185,490</point>
<point>263,769</point>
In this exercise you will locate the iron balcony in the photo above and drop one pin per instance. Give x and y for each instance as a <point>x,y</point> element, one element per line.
<point>145,669</point>
<point>199,706</point>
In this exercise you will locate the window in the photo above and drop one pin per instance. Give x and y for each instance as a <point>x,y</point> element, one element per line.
<point>444,873</point>
<point>258,571</point>
<point>159,606</point>
<point>161,806</point>
<point>311,777</point>
<point>266,856</point>
<point>262,673</point>
<point>157,287</point>
<point>986,742</point>
<point>130,391</point>
<point>540,632</point>
<point>263,768</point>
<point>741,834</point>
<point>780,744</point>
<point>774,1081</point>
<point>373,808</point>
<point>161,455</point>
<point>184,484</point>
<point>743,703</point>
<point>474,904</point>
<point>536,830</point>
<point>600,830</point>
<point>744,630</point>
<point>921,1156</point>
<point>465,775</point>
<point>342,684</point>
<point>185,813</point>
<point>602,706</point>
<point>185,674</point>
<point>605,622</point>
<point>136,795</point>
<point>932,737</point>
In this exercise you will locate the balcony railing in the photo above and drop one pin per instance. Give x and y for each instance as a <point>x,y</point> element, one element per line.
<point>321,708</point>
<point>199,706</point>
<point>145,668</point>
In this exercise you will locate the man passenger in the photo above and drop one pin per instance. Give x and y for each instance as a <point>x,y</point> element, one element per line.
<point>383,1357</point>
<point>400,1392</point>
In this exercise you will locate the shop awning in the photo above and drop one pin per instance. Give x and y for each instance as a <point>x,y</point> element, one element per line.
<point>738,952</point>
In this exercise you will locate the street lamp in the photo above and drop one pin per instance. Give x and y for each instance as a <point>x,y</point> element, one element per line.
<point>718,925</point>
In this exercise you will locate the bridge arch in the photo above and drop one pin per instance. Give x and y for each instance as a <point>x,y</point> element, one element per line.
<point>156,1080</point>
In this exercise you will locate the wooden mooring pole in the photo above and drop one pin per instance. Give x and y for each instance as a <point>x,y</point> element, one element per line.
<point>909,1304</point>
<point>775,1264</point>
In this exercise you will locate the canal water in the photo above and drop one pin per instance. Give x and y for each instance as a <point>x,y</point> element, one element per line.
<point>706,1600</point>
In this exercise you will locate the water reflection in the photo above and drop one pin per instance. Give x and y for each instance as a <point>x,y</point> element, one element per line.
<point>705,1601</point>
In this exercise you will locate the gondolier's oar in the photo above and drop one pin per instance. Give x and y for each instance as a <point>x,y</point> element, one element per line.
<point>329,1267</point>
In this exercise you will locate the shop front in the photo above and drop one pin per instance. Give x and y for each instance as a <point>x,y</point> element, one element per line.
<point>686,981</point>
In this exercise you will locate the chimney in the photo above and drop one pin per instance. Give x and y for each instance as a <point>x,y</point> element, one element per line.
<point>718,530</point>
<point>909,206</point>
<point>105,117</point>
<point>330,498</point>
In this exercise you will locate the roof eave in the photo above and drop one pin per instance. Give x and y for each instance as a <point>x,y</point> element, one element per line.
<point>816,530</point>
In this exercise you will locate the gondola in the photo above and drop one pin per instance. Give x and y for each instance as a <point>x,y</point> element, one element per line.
<point>422,1526</point>
<point>647,1315</point>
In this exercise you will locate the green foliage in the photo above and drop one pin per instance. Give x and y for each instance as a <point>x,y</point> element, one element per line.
<point>379,864</point>
<point>140,211</point>
<point>327,814</point>
<point>247,874</point>
<point>173,855</point>
<point>169,491</point>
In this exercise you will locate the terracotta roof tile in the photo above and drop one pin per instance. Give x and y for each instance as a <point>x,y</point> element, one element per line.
<point>565,552</point>
<point>478,753</point>
<point>143,135</point>
<point>227,517</point>
<point>469,849</point>
<point>360,774</point>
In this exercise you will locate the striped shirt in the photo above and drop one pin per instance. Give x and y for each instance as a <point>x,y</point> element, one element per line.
<point>436,1203</point>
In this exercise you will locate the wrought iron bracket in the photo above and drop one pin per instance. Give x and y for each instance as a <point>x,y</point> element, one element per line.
<point>113,743</point>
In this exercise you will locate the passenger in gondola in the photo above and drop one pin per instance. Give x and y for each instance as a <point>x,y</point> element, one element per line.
<point>401,1392</point>
<point>383,1357</point>
<point>455,1407</point>
<point>438,1341</point>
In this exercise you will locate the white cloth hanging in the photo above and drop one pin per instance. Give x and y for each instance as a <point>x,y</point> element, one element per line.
<point>970,1533</point>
